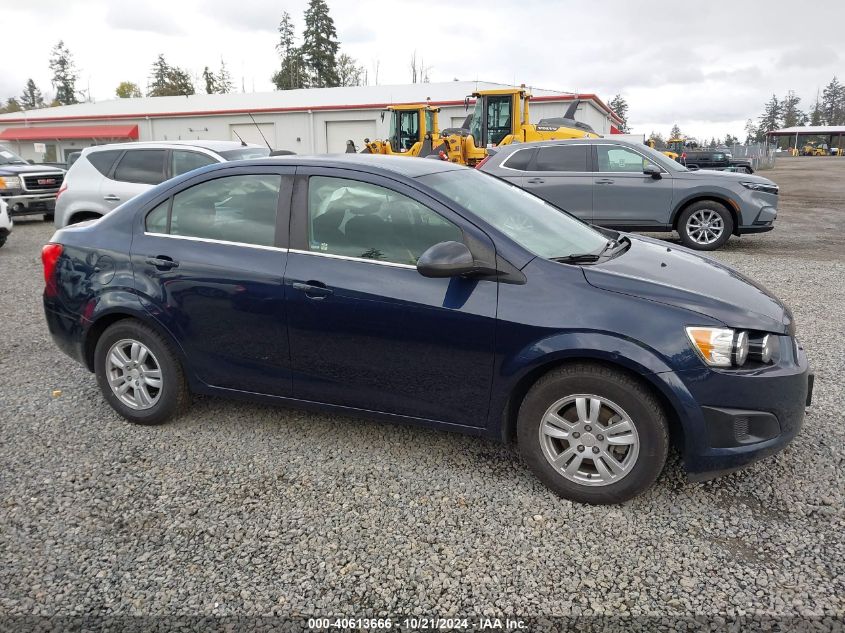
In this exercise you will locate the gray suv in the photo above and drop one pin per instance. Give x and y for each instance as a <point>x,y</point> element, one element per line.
<point>631,187</point>
<point>106,176</point>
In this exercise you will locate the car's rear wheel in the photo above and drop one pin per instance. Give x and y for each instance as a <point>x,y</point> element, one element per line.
<point>593,434</point>
<point>139,374</point>
<point>2,241</point>
<point>705,225</point>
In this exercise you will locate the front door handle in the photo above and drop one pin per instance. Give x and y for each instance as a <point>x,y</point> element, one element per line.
<point>111,198</point>
<point>535,181</point>
<point>604,181</point>
<point>313,289</point>
<point>162,262</point>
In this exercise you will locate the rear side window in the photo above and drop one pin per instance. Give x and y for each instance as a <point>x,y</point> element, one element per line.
<point>520,160</point>
<point>144,166</point>
<point>103,161</point>
<point>562,158</point>
<point>184,161</point>
<point>157,218</point>
<point>232,209</point>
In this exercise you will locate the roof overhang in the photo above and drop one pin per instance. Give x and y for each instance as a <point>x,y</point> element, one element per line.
<point>808,130</point>
<point>64,132</point>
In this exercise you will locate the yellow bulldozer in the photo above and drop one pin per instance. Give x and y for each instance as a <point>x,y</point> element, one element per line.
<point>501,117</point>
<point>414,131</point>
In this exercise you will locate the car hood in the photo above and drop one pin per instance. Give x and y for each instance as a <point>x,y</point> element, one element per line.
<point>677,276</point>
<point>724,177</point>
<point>28,169</point>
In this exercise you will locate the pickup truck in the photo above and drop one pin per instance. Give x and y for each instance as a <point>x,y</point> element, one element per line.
<point>714,159</point>
<point>28,189</point>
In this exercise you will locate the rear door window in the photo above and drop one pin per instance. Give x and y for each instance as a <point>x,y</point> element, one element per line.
<point>562,158</point>
<point>183,161</point>
<point>520,160</point>
<point>104,161</point>
<point>143,166</point>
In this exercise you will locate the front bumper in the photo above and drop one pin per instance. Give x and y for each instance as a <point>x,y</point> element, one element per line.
<point>743,416</point>
<point>26,203</point>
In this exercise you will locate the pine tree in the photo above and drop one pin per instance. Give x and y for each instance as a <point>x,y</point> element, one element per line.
<point>320,46</point>
<point>32,97</point>
<point>620,107</point>
<point>169,81</point>
<point>792,115</point>
<point>771,117</point>
<point>12,105</point>
<point>210,81</point>
<point>731,140</point>
<point>127,90</point>
<point>833,103</point>
<point>291,75</point>
<point>224,79</point>
<point>158,85</point>
<point>675,131</point>
<point>64,74</point>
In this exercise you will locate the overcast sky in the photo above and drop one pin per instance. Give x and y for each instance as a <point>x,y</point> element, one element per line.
<point>706,65</point>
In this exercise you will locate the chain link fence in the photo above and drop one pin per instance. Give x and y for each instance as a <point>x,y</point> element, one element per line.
<point>761,155</point>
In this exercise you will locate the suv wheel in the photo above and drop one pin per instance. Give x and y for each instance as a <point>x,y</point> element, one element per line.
<point>139,374</point>
<point>705,225</point>
<point>592,434</point>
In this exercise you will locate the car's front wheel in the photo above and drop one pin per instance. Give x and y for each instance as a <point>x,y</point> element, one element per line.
<point>705,225</point>
<point>592,434</point>
<point>139,374</point>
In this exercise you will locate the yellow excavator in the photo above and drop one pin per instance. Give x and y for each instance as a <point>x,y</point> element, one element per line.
<point>414,131</point>
<point>501,117</point>
<point>667,152</point>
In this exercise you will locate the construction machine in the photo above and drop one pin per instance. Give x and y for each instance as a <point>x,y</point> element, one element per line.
<point>673,155</point>
<point>414,131</point>
<point>501,117</point>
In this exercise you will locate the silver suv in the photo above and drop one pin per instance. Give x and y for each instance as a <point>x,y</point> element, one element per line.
<point>106,176</point>
<point>628,186</point>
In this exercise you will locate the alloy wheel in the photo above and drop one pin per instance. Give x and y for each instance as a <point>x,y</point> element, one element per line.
<point>705,226</point>
<point>589,440</point>
<point>134,374</point>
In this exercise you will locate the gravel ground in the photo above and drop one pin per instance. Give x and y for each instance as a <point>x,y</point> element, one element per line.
<point>242,510</point>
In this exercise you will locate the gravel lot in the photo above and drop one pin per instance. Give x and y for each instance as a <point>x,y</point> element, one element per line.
<point>241,510</point>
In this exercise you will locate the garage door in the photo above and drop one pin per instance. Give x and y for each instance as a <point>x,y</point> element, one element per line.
<point>250,133</point>
<point>458,121</point>
<point>338,132</point>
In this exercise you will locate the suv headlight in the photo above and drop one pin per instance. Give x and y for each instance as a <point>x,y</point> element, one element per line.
<point>760,186</point>
<point>10,182</point>
<point>719,346</point>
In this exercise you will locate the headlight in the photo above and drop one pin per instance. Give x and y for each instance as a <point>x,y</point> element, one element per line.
<point>760,186</point>
<point>719,346</point>
<point>762,349</point>
<point>10,182</point>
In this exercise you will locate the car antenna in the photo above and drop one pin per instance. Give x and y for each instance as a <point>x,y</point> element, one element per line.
<point>239,138</point>
<point>257,127</point>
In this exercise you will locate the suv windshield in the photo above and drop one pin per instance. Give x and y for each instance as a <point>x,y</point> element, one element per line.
<point>245,153</point>
<point>10,158</point>
<point>529,221</point>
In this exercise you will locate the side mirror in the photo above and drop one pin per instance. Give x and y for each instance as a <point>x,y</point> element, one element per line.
<point>447,259</point>
<point>653,171</point>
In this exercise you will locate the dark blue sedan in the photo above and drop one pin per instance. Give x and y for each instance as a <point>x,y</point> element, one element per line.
<point>425,292</point>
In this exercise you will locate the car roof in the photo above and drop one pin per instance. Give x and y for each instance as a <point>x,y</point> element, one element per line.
<point>513,147</point>
<point>410,167</point>
<point>211,145</point>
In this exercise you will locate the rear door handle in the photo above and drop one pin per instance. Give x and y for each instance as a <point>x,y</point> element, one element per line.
<point>111,198</point>
<point>604,181</point>
<point>162,261</point>
<point>313,289</point>
<point>535,181</point>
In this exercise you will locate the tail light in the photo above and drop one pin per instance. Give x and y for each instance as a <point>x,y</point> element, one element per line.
<point>49,258</point>
<point>61,190</point>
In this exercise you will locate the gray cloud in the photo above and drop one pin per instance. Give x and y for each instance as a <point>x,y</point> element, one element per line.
<point>811,56</point>
<point>135,17</point>
<point>250,15</point>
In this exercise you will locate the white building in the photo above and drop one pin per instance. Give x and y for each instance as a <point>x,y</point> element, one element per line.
<point>311,121</point>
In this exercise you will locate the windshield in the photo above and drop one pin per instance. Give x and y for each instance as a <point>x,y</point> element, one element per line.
<point>10,158</point>
<point>245,152</point>
<point>475,122</point>
<point>529,221</point>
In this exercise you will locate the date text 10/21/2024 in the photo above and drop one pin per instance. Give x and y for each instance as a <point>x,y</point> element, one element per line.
<point>416,624</point>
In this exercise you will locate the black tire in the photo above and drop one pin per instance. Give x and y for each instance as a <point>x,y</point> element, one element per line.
<point>174,396</point>
<point>2,241</point>
<point>637,401</point>
<point>704,206</point>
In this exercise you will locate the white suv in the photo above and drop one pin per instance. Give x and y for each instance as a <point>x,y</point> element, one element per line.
<point>5,222</point>
<point>106,176</point>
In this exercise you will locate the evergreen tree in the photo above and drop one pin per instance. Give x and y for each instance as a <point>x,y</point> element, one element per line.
<point>32,97</point>
<point>620,107</point>
<point>224,79</point>
<point>158,85</point>
<point>320,46</point>
<point>752,133</point>
<point>349,73</point>
<point>675,132</point>
<point>127,90</point>
<point>210,81</point>
<point>771,117</point>
<point>12,105</point>
<point>833,103</point>
<point>291,75</point>
<point>169,81</point>
<point>731,140</point>
<point>792,115</point>
<point>64,74</point>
